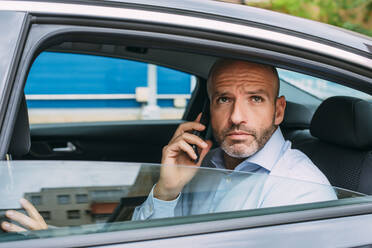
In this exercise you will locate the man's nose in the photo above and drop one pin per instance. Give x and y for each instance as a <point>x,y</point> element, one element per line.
<point>239,113</point>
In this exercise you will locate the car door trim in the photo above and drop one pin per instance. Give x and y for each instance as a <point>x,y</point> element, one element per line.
<point>227,221</point>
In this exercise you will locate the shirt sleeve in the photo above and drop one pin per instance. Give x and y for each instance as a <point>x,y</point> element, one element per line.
<point>154,208</point>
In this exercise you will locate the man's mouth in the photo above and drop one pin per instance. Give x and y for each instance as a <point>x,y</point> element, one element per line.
<point>238,135</point>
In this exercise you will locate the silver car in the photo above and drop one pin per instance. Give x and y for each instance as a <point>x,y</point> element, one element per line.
<point>91,92</point>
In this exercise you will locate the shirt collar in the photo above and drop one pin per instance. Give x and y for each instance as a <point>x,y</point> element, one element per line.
<point>266,157</point>
<point>270,153</point>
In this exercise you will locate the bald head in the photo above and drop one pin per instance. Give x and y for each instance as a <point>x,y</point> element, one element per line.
<point>245,107</point>
<point>248,69</point>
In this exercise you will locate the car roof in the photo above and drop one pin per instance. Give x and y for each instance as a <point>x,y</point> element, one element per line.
<point>243,13</point>
<point>256,16</point>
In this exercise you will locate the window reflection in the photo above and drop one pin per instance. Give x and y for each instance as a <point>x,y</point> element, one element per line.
<point>81,198</point>
<point>102,192</point>
<point>73,214</point>
<point>45,214</point>
<point>36,200</point>
<point>63,199</point>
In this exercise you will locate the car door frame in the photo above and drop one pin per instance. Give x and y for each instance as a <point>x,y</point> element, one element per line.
<point>201,41</point>
<point>9,103</point>
<point>237,227</point>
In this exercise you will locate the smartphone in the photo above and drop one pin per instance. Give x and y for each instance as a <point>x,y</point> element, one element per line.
<point>205,121</point>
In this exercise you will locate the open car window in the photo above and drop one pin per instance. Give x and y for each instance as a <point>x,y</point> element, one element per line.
<point>72,87</point>
<point>90,197</point>
<point>311,91</point>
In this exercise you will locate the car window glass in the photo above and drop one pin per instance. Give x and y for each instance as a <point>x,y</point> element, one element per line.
<point>66,87</point>
<point>88,197</point>
<point>308,90</point>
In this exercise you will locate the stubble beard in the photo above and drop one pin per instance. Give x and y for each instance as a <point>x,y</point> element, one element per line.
<point>239,149</point>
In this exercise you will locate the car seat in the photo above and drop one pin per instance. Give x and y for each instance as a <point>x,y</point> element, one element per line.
<point>340,142</point>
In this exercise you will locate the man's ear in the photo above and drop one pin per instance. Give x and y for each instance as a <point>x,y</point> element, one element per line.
<point>279,110</point>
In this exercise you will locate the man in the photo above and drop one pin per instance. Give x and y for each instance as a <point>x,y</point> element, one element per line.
<point>245,114</point>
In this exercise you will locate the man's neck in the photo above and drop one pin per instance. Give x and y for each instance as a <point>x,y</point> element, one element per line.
<point>230,162</point>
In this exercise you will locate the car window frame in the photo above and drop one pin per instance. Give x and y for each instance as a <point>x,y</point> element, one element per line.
<point>37,41</point>
<point>9,103</point>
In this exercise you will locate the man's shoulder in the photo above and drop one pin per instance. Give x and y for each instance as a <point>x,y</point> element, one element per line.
<point>295,164</point>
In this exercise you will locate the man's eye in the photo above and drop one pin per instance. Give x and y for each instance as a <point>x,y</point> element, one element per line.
<point>222,100</point>
<point>257,99</point>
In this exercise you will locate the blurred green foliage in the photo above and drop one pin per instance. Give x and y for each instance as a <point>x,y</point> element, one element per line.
<point>354,15</point>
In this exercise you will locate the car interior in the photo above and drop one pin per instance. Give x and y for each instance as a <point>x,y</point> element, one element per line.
<point>337,137</point>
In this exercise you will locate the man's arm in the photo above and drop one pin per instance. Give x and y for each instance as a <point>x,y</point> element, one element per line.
<point>163,198</point>
<point>154,208</point>
<point>179,152</point>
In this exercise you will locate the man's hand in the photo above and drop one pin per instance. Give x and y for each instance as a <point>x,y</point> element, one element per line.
<point>179,152</point>
<point>34,221</point>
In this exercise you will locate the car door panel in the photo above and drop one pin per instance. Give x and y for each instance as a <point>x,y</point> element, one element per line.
<point>116,141</point>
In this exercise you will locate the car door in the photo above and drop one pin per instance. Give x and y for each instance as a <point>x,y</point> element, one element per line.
<point>95,107</point>
<point>91,204</point>
<point>204,230</point>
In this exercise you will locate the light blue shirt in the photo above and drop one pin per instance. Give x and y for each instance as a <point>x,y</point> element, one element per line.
<point>276,175</point>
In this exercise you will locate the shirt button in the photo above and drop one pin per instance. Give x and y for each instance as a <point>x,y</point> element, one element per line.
<point>228,179</point>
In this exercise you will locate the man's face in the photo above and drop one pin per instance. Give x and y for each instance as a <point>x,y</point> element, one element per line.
<point>245,109</point>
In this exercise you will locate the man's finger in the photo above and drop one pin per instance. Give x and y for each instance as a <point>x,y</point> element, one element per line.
<point>22,219</point>
<point>33,213</point>
<point>194,140</point>
<point>30,209</point>
<point>198,117</point>
<point>174,149</point>
<point>9,227</point>
<point>204,151</point>
<point>185,147</point>
<point>187,127</point>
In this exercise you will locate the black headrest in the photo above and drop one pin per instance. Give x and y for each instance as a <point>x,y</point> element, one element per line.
<point>296,116</point>
<point>345,121</point>
<point>21,142</point>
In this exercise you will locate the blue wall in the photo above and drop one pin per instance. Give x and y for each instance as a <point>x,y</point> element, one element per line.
<point>65,73</point>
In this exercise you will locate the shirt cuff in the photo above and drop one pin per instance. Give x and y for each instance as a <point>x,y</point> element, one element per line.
<point>154,208</point>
